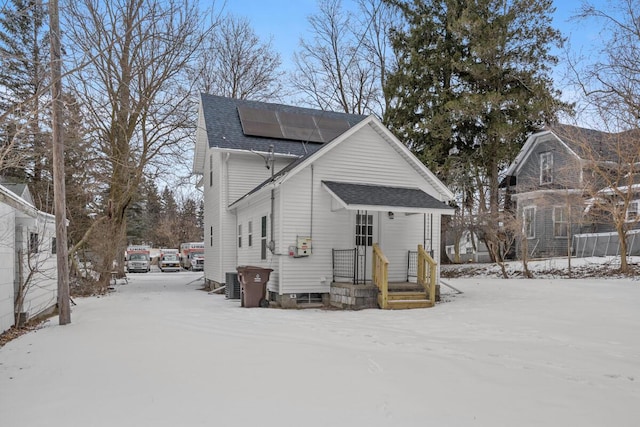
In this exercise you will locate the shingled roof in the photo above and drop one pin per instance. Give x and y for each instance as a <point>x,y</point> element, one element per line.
<point>593,144</point>
<point>224,127</point>
<point>355,194</point>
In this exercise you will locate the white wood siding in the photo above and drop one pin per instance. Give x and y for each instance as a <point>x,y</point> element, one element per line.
<point>7,254</point>
<point>327,230</point>
<point>246,172</point>
<point>251,255</point>
<point>365,158</point>
<point>234,175</point>
<point>400,235</point>
<point>42,290</point>
<point>212,216</point>
<point>303,208</point>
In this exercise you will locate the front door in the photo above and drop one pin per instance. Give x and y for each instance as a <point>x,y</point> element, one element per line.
<point>365,236</point>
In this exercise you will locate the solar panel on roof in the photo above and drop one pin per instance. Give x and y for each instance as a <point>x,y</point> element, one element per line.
<point>330,128</point>
<point>299,127</point>
<point>289,125</point>
<point>259,122</point>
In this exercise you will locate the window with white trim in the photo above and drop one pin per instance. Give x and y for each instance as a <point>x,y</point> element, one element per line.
<point>546,168</point>
<point>364,230</point>
<point>239,235</point>
<point>528,222</point>
<point>263,238</point>
<point>250,234</point>
<point>560,222</point>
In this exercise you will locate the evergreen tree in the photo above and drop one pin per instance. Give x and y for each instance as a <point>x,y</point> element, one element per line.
<point>166,229</point>
<point>472,81</point>
<point>200,218</point>
<point>24,121</point>
<point>190,228</point>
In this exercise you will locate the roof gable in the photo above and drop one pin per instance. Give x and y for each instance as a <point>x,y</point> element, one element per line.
<point>295,167</point>
<point>583,143</point>
<point>529,148</point>
<point>20,189</point>
<point>9,196</point>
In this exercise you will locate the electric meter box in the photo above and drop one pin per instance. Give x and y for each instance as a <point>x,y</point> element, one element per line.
<point>303,246</point>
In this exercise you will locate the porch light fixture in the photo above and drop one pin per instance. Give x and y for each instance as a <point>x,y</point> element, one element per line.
<point>390,215</point>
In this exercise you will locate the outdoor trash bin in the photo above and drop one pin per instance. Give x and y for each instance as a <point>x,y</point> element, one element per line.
<point>253,285</point>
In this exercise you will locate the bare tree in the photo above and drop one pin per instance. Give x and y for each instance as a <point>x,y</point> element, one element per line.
<point>135,92</point>
<point>501,239</point>
<point>235,63</point>
<point>612,82</point>
<point>615,191</point>
<point>341,66</point>
<point>377,19</point>
<point>611,85</point>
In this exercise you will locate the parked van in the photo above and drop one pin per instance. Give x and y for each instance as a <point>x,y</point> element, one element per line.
<point>138,259</point>
<point>169,260</point>
<point>192,256</point>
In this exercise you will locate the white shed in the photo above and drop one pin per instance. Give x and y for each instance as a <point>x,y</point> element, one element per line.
<point>28,274</point>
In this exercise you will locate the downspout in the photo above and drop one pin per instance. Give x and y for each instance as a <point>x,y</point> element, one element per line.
<point>226,179</point>
<point>311,213</point>
<point>223,220</point>
<point>271,164</point>
<point>431,234</point>
<point>424,230</point>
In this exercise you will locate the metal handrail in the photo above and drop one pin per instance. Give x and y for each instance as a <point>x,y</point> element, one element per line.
<point>344,264</point>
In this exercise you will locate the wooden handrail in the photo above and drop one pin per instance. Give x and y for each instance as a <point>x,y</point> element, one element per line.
<point>381,273</point>
<point>427,265</point>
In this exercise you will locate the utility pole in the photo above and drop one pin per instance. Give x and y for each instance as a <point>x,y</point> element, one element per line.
<point>59,195</point>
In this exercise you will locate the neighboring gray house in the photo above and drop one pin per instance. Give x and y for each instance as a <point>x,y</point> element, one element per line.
<point>299,191</point>
<point>548,185</point>
<point>28,271</point>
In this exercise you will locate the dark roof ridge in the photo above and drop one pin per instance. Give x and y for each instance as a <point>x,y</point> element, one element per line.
<point>282,107</point>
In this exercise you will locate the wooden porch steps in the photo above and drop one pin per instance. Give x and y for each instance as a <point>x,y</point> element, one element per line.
<point>402,300</point>
<point>404,295</point>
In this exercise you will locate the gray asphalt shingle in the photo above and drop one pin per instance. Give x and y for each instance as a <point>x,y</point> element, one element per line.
<point>379,195</point>
<point>224,129</point>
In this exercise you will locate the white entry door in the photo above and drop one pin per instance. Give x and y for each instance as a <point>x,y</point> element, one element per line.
<point>366,232</point>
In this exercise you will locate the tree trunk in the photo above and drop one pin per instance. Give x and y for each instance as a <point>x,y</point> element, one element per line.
<point>622,235</point>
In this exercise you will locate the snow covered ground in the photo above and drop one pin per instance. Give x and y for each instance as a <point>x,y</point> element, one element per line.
<point>158,351</point>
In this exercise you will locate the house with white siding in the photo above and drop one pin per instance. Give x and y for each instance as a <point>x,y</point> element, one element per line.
<point>333,203</point>
<point>28,271</point>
